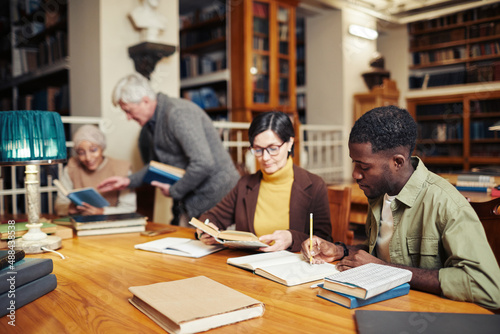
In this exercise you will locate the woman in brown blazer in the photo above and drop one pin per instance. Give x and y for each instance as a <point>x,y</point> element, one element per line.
<point>275,203</point>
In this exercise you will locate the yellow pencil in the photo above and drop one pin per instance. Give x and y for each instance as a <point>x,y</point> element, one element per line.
<point>310,237</point>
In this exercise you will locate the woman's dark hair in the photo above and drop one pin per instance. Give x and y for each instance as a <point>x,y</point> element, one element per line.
<point>276,121</point>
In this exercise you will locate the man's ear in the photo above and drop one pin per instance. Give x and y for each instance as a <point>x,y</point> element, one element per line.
<point>399,160</point>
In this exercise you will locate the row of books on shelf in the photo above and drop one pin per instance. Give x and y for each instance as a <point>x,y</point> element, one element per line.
<point>485,49</point>
<point>193,65</point>
<point>479,129</point>
<point>260,43</point>
<point>479,72</point>
<point>300,53</point>
<point>206,97</point>
<point>460,17</point>
<point>429,57</point>
<point>301,101</point>
<point>23,280</point>
<point>437,38</point>
<point>260,10</point>
<point>216,10</point>
<point>260,26</point>
<point>261,63</point>
<point>436,150</point>
<point>50,50</point>
<point>439,109</point>
<point>485,150</point>
<point>301,75</point>
<point>259,97</point>
<point>283,47</point>
<point>484,29</point>
<point>261,82</point>
<point>485,106</point>
<point>283,85</point>
<point>194,37</point>
<point>49,98</point>
<point>440,131</point>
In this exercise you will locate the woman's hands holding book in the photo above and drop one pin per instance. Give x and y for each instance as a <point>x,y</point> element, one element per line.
<point>206,238</point>
<point>278,240</point>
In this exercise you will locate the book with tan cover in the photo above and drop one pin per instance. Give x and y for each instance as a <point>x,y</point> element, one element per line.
<point>239,239</point>
<point>194,304</point>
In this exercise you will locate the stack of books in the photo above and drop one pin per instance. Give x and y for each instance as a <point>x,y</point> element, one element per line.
<point>105,224</point>
<point>475,182</point>
<point>22,280</point>
<point>364,285</point>
<point>20,229</point>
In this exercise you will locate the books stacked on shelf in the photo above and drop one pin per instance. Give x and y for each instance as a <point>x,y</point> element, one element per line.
<point>215,11</point>
<point>194,304</point>
<point>475,182</point>
<point>23,280</point>
<point>205,97</point>
<point>105,224</point>
<point>364,285</point>
<point>193,65</point>
<point>193,38</point>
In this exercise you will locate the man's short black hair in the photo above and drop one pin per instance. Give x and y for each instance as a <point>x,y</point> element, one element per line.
<point>385,128</point>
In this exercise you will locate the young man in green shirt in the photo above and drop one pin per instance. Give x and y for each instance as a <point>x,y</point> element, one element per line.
<point>416,219</point>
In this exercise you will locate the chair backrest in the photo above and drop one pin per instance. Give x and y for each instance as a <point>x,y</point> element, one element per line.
<point>340,209</point>
<point>489,214</point>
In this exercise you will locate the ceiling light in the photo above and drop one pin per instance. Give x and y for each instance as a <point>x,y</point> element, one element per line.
<point>363,32</point>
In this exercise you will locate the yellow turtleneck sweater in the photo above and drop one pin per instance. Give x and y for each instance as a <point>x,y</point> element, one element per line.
<point>273,204</point>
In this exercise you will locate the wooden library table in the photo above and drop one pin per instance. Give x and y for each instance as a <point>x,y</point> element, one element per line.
<point>93,281</point>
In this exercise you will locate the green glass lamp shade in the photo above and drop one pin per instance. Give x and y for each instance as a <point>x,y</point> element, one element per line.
<point>31,137</point>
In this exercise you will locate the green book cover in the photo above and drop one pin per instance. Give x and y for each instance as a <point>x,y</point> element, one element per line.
<point>20,229</point>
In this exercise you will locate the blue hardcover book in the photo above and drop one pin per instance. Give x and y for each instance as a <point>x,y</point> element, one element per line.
<point>163,173</point>
<point>24,271</point>
<point>26,293</point>
<point>353,302</point>
<point>475,189</point>
<point>87,195</point>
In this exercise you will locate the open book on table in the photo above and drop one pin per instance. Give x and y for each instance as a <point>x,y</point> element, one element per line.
<point>78,196</point>
<point>283,267</point>
<point>179,246</point>
<point>163,173</point>
<point>367,280</point>
<point>237,239</point>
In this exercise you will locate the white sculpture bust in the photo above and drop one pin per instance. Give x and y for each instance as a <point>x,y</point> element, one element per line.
<point>148,21</point>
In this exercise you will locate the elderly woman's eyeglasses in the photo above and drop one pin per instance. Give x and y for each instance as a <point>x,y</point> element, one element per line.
<point>272,150</point>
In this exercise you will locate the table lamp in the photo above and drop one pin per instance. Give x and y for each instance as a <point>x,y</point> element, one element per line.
<point>31,138</point>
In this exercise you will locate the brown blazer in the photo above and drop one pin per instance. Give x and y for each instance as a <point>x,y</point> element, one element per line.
<point>309,194</point>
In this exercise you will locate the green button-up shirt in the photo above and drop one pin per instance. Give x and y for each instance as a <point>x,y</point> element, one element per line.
<point>436,228</point>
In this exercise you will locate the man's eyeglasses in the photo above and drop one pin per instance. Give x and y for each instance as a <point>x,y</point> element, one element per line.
<point>272,150</point>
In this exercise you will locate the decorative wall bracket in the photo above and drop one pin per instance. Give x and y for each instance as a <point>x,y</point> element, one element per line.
<point>147,54</point>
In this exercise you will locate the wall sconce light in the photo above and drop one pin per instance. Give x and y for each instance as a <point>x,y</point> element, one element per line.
<point>363,32</point>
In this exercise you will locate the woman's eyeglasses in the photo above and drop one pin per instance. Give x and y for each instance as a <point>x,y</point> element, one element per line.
<point>272,150</point>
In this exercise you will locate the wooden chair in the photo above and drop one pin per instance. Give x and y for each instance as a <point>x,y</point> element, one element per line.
<point>489,214</point>
<point>340,209</point>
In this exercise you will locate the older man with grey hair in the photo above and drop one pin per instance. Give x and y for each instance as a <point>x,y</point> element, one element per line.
<point>181,135</point>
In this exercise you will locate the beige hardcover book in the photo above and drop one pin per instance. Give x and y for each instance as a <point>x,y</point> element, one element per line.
<point>367,280</point>
<point>194,304</point>
<point>239,239</point>
<point>283,267</point>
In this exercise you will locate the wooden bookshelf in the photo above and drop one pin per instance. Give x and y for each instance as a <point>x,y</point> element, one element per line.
<point>453,132</point>
<point>35,74</point>
<point>460,48</point>
<point>205,71</point>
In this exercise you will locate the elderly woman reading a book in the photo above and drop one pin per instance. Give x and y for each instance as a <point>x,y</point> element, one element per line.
<point>87,169</point>
<point>275,203</point>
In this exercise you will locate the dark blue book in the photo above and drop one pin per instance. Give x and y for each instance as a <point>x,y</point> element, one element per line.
<point>26,293</point>
<point>24,271</point>
<point>353,302</point>
<point>9,257</point>
<point>163,173</point>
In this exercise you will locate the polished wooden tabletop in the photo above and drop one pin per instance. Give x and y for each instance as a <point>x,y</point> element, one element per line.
<point>92,292</point>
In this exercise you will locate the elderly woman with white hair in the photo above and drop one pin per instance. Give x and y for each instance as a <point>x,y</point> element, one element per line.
<point>88,168</point>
